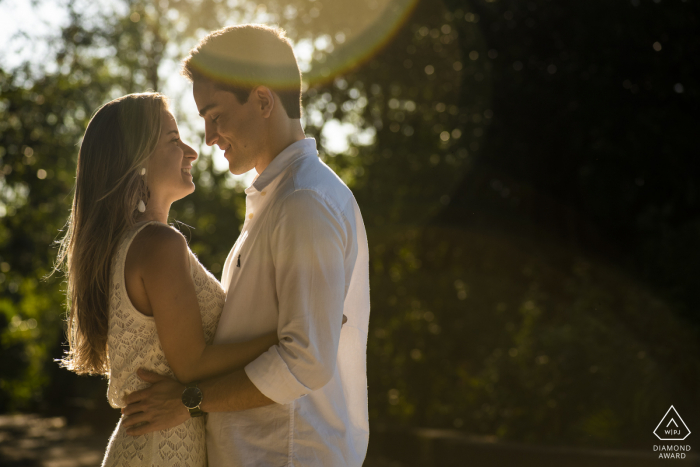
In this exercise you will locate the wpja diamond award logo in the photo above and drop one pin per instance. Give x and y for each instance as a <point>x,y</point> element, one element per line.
<point>672,428</point>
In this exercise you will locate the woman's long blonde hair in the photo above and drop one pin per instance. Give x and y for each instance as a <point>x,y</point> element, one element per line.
<point>118,142</point>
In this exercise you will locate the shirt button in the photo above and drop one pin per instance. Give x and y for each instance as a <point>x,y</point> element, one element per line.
<point>250,216</point>
<point>263,193</point>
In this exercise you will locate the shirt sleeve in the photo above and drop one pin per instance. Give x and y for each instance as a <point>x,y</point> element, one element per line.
<point>308,244</point>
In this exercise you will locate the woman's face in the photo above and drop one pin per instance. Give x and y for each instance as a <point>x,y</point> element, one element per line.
<point>168,171</point>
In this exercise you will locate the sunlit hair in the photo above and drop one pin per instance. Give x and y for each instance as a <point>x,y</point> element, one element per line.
<point>118,142</point>
<point>239,58</point>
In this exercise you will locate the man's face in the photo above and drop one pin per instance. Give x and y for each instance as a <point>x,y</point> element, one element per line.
<point>236,128</point>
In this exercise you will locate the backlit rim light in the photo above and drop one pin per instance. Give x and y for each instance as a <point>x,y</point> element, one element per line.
<point>357,50</point>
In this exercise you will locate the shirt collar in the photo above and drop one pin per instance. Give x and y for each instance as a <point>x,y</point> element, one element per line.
<point>292,153</point>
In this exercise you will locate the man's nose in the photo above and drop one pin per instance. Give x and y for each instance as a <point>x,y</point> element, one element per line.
<point>210,134</point>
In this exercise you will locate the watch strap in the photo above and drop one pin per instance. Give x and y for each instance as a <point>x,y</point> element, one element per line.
<point>196,412</point>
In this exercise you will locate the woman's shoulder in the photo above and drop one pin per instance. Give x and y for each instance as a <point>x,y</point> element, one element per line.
<point>155,232</point>
<point>159,243</point>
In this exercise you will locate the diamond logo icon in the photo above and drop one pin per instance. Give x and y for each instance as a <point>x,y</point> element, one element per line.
<point>672,427</point>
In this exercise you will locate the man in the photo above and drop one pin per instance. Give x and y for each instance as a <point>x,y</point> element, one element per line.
<point>299,264</point>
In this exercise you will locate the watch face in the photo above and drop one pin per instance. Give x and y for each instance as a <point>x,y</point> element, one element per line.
<point>191,397</point>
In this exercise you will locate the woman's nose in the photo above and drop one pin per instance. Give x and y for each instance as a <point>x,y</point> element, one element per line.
<point>190,153</point>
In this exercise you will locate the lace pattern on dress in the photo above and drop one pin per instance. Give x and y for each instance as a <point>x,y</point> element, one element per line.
<point>132,344</point>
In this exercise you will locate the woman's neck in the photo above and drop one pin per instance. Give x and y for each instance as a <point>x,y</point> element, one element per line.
<point>155,211</point>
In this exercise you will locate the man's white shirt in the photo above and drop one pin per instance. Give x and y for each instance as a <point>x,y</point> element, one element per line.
<point>299,264</point>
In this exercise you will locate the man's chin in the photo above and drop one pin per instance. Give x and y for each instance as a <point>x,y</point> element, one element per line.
<point>239,170</point>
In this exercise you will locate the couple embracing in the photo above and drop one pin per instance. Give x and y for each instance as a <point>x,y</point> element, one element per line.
<point>261,369</point>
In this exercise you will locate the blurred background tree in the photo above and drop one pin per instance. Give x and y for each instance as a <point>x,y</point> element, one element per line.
<point>525,174</point>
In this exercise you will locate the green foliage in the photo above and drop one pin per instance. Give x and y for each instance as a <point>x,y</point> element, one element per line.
<point>39,127</point>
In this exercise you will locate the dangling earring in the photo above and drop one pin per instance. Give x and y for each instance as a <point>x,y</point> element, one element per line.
<point>142,206</point>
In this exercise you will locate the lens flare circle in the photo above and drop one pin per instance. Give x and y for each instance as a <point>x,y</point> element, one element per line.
<point>359,30</point>
<point>372,30</point>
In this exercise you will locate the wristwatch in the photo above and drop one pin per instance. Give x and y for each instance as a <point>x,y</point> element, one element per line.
<point>192,398</point>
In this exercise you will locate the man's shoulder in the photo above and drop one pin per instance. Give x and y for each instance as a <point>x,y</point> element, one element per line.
<point>313,175</point>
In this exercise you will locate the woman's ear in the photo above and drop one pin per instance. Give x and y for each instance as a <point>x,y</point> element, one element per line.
<point>266,100</point>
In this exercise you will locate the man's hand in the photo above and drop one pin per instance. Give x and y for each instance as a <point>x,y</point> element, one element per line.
<point>156,408</point>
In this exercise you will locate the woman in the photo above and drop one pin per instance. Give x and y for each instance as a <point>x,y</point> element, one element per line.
<point>137,295</point>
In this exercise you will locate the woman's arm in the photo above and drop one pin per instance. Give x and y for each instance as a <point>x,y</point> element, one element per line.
<point>163,266</point>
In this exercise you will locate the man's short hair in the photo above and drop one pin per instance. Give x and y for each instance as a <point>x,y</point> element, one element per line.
<point>239,58</point>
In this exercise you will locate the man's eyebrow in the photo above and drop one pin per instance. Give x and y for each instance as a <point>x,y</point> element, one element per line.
<point>203,112</point>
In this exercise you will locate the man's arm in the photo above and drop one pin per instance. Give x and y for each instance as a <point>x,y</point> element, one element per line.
<point>308,246</point>
<point>160,406</point>
<point>231,393</point>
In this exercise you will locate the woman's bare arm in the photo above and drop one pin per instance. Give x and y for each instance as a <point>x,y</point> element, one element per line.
<point>163,266</point>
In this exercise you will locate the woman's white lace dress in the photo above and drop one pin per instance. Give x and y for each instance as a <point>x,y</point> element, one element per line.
<point>132,344</point>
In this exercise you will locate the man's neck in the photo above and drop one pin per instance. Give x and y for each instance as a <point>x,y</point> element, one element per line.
<point>279,141</point>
